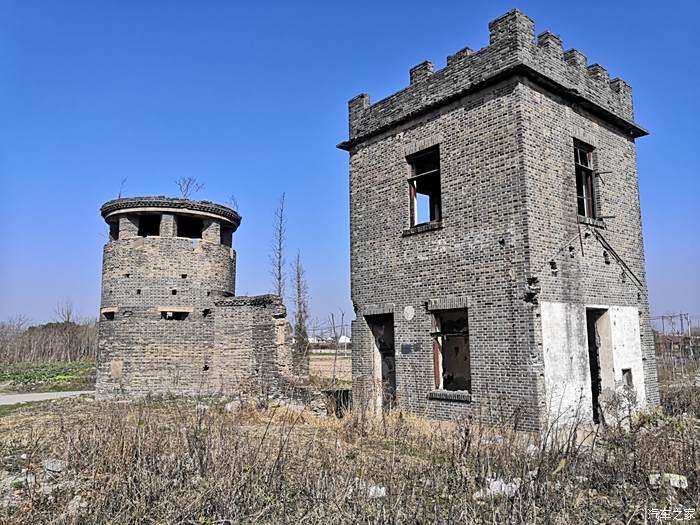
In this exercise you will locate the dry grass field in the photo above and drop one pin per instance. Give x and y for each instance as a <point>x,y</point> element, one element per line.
<point>321,368</point>
<point>256,460</point>
<point>205,461</point>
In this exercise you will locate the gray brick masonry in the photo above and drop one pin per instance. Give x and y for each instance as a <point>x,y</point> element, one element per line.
<point>505,120</point>
<point>224,343</point>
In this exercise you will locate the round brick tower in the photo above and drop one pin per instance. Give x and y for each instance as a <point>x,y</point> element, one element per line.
<point>166,263</point>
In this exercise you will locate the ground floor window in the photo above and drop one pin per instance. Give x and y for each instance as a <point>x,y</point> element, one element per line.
<point>450,332</point>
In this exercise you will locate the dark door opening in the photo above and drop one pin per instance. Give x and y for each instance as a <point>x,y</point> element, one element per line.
<point>382,328</point>
<point>593,316</point>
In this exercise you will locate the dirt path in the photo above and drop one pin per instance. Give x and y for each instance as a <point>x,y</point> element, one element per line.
<point>13,399</point>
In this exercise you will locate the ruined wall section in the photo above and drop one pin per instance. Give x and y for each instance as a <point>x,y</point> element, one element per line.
<point>140,354</point>
<point>170,323</point>
<point>252,349</point>
<point>149,284</point>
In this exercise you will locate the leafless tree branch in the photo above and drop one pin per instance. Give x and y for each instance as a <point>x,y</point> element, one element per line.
<point>188,186</point>
<point>277,260</point>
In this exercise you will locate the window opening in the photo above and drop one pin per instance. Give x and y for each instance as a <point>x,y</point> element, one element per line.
<point>226,236</point>
<point>190,227</point>
<point>174,316</point>
<point>627,377</point>
<point>114,231</point>
<point>452,361</point>
<point>424,187</point>
<point>149,225</point>
<point>585,194</point>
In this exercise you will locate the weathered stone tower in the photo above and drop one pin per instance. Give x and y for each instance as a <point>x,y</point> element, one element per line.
<point>497,260</point>
<point>169,320</point>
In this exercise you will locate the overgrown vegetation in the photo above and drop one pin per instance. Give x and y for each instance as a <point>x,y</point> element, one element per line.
<point>208,462</point>
<point>49,376</point>
<point>66,340</point>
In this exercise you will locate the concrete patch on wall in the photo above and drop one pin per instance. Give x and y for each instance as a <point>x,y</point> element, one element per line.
<point>627,349</point>
<point>115,369</point>
<point>566,365</point>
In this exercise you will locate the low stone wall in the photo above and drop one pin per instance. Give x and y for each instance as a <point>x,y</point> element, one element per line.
<point>243,343</point>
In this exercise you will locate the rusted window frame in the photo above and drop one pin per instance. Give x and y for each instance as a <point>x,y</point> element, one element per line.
<point>437,335</point>
<point>585,180</point>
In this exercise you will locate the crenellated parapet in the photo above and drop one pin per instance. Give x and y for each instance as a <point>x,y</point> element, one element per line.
<point>513,50</point>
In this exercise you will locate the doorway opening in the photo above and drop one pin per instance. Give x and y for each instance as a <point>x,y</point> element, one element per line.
<point>599,356</point>
<point>384,357</point>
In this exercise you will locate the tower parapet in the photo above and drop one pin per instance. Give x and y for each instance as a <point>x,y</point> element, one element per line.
<point>513,50</point>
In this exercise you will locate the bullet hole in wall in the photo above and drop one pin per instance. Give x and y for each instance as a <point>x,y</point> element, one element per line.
<point>174,292</point>
<point>184,275</point>
<point>206,312</point>
<point>138,291</point>
<point>205,368</point>
<point>127,275</point>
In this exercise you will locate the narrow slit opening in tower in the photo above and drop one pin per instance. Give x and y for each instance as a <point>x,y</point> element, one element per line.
<point>174,316</point>
<point>190,227</point>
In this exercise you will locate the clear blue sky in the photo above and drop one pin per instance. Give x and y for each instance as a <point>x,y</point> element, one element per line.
<point>251,98</point>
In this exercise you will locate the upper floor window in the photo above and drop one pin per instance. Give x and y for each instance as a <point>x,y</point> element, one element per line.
<point>226,235</point>
<point>424,187</point>
<point>114,230</point>
<point>585,177</point>
<point>149,225</point>
<point>191,227</point>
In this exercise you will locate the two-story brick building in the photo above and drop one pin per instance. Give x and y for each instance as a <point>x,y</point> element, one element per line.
<point>496,243</point>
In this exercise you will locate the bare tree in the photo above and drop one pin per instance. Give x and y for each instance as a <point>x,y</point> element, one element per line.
<point>56,341</point>
<point>277,261</point>
<point>301,310</point>
<point>188,186</point>
<point>336,341</point>
<point>64,312</point>
<point>232,201</point>
<point>122,185</point>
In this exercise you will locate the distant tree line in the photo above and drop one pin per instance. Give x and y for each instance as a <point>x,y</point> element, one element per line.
<point>65,339</point>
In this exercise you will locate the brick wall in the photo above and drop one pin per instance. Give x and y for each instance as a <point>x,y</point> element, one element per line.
<point>504,120</point>
<point>223,344</point>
